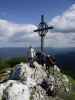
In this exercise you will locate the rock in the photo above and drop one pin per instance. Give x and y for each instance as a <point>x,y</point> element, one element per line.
<point>38,93</point>
<point>16,91</point>
<point>21,72</point>
<point>27,83</point>
<point>39,73</point>
<point>66,83</point>
<point>56,68</point>
<point>24,71</point>
<point>65,78</point>
<point>2,87</point>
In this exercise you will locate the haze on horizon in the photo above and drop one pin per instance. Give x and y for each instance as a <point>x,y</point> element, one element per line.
<point>18,19</point>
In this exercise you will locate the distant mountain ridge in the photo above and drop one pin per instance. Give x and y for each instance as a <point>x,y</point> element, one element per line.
<point>21,51</point>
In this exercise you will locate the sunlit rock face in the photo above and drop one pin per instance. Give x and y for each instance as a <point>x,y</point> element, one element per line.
<point>16,91</point>
<point>23,81</point>
<point>24,71</point>
<point>27,83</point>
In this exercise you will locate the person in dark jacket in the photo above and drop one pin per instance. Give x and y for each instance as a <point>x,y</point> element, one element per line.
<point>41,58</point>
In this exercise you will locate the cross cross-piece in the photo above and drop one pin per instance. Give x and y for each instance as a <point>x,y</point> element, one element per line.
<point>42,30</point>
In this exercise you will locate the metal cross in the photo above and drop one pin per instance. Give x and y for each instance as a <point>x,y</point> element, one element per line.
<point>42,30</point>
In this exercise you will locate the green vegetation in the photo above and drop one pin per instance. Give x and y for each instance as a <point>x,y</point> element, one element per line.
<point>71,75</point>
<point>69,72</point>
<point>72,92</point>
<point>11,62</point>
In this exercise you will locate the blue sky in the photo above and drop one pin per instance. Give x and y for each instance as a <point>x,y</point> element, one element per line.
<point>19,17</point>
<point>29,11</point>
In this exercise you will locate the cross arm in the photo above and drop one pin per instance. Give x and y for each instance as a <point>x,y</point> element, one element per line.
<point>37,30</point>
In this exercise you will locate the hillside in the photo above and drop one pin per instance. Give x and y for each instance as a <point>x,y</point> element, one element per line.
<point>64,59</point>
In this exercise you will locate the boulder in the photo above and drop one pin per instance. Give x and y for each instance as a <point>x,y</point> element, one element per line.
<point>32,83</point>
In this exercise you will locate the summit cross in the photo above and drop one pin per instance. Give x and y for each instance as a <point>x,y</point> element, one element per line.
<point>42,30</point>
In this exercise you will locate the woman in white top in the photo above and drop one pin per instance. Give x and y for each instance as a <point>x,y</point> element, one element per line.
<point>31,55</point>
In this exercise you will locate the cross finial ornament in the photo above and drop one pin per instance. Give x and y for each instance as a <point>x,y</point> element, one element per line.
<point>42,30</point>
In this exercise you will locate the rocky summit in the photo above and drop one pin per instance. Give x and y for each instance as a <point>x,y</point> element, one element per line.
<point>34,83</point>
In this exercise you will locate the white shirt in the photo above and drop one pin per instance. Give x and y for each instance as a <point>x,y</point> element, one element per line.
<point>31,53</point>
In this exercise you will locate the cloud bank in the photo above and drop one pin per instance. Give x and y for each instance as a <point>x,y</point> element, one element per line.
<point>63,34</point>
<point>12,33</point>
<point>65,22</point>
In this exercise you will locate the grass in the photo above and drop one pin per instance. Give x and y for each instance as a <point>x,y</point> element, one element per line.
<point>72,93</point>
<point>10,63</point>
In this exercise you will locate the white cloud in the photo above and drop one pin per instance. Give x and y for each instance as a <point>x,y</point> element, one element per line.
<point>57,39</point>
<point>12,32</point>
<point>65,22</point>
<point>63,34</point>
<point>8,28</point>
